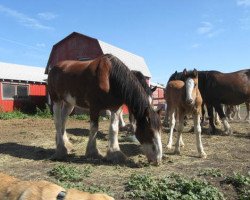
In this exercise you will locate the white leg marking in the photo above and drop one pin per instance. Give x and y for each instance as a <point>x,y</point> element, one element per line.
<point>226,126</point>
<point>197,130</point>
<point>113,131</point>
<point>179,136</point>
<point>121,120</point>
<point>172,125</point>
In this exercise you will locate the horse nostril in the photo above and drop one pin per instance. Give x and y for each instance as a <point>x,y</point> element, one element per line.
<point>189,101</point>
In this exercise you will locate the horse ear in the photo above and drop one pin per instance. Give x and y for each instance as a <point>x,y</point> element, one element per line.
<point>195,72</point>
<point>102,72</point>
<point>153,89</point>
<point>184,72</point>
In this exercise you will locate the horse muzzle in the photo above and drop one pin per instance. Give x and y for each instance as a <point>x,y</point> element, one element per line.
<point>190,101</point>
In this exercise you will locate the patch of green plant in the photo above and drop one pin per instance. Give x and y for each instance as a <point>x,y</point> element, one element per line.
<point>241,184</point>
<point>16,114</point>
<point>80,117</point>
<point>81,186</point>
<point>44,113</point>
<point>170,188</point>
<point>69,173</point>
<point>210,172</point>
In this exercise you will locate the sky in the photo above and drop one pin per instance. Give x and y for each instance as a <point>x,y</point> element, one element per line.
<point>170,34</point>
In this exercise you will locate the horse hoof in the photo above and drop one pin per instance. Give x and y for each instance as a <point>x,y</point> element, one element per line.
<point>116,157</point>
<point>203,155</point>
<point>169,146</point>
<point>177,152</point>
<point>94,155</point>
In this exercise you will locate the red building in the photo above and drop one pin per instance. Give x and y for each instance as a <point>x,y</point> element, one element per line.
<point>21,87</point>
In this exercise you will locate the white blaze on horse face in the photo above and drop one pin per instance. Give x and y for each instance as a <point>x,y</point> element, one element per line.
<point>189,89</point>
<point>154,151</point>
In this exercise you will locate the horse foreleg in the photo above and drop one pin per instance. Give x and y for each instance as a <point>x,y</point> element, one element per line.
<point>197,131</point>
<point>114,153</point>
<point>61,150</point>
<point>172,125</point>
<point>179,141</point>
<point>92,150</point>
<point>218,108</point>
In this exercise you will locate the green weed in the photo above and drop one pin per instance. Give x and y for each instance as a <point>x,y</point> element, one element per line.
<point>210,172</point>
<point>68,173</point>
<point>16,114</point>
<point>170,188</point>
<point>241,184</point>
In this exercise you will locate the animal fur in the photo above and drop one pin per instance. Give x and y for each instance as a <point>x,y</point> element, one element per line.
<point>14,189</point>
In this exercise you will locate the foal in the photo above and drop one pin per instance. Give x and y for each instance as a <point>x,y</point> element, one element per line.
<point>185,98</point>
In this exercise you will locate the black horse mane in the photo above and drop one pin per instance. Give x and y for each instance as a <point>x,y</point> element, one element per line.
<point>141,78</point>
<point>125,86</point>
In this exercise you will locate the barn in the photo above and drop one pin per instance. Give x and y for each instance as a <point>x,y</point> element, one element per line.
<point>77,46</point>
<point>21,87</point>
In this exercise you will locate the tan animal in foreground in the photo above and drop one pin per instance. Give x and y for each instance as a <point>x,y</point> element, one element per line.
<point>14,189</point>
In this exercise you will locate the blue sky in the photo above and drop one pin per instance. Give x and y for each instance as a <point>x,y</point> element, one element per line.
<point>170,34</point>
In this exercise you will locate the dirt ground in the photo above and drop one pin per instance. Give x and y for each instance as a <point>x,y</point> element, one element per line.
<point>26,146</point>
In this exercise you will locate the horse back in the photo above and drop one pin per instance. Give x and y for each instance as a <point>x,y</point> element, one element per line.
<point>83,80</point>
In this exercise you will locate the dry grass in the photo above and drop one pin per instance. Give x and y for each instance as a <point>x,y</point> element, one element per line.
<point>27,144</point>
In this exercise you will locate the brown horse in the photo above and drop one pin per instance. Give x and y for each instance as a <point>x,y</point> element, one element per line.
<point>223,88</point>
<point>184,97</point>
<point>102,83</point>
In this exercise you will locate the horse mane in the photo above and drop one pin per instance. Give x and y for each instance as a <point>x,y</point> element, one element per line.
<point>125,86</point>
<point>141,78</point>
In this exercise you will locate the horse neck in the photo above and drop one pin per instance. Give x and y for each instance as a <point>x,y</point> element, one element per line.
<point>128,89</point>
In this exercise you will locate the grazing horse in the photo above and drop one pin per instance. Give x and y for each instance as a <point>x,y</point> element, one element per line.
<point>149,91</point>
<point>223,88</point>
<point>184,97</point>
<point>99,84</point>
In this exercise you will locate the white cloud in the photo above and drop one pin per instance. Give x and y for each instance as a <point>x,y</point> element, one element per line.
<point>47,15</point>
<point>23,19</point>
<point>205,28</point>
<point>243,3</point>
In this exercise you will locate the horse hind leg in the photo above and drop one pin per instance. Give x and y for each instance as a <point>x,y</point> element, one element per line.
<point>61,149</point>
<point>197,130</point>
<point>114,153</point>
<point>220,111</point>
<point>66,110</point>
<point>172,125</point>
<point>179,141</point>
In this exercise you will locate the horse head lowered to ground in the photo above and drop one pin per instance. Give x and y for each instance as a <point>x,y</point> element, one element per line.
<point>184,98</point>
<point>99,84</point>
